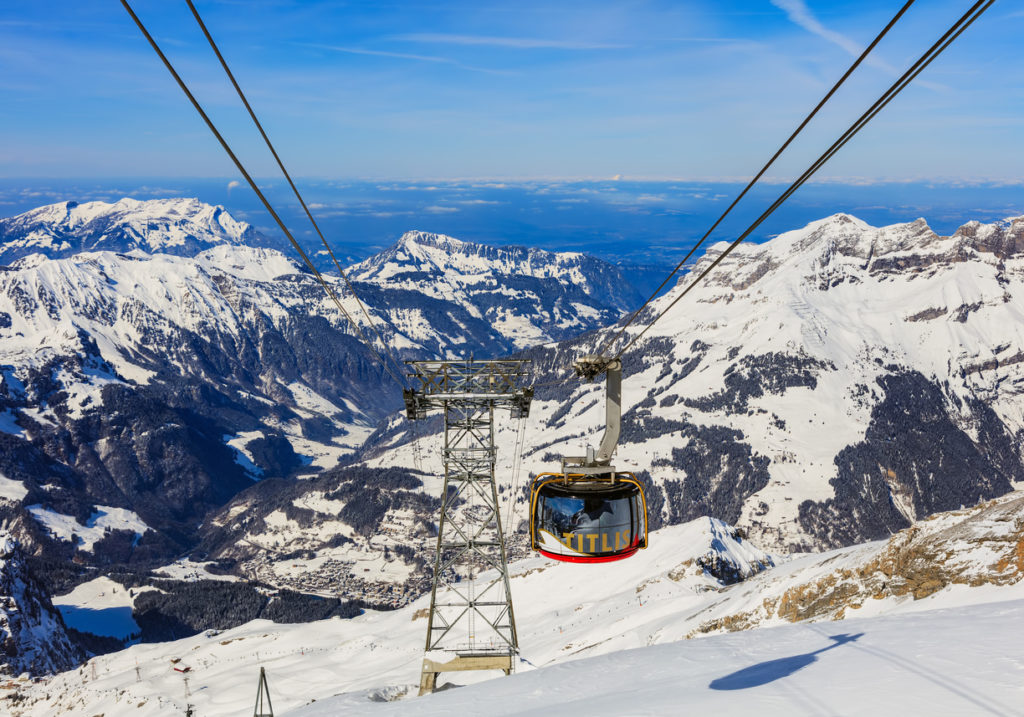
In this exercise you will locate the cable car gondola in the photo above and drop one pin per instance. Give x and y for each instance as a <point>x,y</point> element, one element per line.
<point>589,512</point>
<point>583,518</point>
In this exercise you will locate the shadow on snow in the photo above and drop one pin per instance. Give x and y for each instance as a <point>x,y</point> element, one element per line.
<point>765,672</point>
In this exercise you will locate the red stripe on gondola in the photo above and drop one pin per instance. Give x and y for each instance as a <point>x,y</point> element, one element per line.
<point>586,558</point>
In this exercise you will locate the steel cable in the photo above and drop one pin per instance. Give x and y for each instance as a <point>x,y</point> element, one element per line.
<point>248,178</point>
<point>768,164</point>
<point>517,462</point>
<point>965,21</point>
<point>287,176</point>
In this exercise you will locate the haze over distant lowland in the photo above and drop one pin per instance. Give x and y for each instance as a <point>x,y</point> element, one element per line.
<point>640,222</point>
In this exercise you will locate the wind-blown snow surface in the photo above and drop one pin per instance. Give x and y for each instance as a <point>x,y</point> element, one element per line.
<point>953,662</point>
<point>963,659</point>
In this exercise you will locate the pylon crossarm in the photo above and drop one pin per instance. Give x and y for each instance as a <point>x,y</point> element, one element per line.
<point>459,529</point>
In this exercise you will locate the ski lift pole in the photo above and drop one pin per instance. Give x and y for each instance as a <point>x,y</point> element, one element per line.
<point>263,690</point>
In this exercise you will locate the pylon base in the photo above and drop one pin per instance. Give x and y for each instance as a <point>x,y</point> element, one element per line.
<point>462,663</point>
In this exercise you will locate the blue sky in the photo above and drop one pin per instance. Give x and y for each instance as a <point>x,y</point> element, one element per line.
<point>695,90</point>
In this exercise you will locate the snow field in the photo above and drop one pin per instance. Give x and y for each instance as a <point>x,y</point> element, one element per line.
<point>12,490</point>
<point>948,662</point>
<point>106,517</point>
<point>100,606</point>
<point>910,653</point>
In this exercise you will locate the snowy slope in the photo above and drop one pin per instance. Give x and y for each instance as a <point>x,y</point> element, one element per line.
<point>182,226</point>
<point>829,386</point>
<point>952,662</point>
<point>163,385</point>
<point>101,607</point>
<point>567,613</point>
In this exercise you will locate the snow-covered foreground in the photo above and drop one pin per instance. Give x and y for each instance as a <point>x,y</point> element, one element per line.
<point>957,649</point>
<point>958,661</point>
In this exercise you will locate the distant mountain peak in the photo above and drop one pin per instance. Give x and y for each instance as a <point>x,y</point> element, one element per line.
<point>421,238</point>
<point>505,298</point>
<point>182,225</point>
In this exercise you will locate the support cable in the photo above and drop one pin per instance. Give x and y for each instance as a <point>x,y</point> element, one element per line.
<point>760,173</point>
<point>287,176</point>
<point>965,21</point>
<point>516,467</point>
<point>255,188</point>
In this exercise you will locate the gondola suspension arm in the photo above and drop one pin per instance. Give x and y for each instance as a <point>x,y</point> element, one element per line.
<point>590,367</point>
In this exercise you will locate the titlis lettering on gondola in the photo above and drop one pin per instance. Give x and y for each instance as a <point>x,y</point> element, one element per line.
<point>621,541</point>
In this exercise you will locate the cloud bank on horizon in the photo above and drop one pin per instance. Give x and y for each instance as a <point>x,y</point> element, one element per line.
<point>696,89</point>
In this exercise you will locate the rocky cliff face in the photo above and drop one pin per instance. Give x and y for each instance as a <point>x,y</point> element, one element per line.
<point>33,638</point>
<point>974,547</point>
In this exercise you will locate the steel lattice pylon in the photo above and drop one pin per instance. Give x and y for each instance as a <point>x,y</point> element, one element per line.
<point>471,618</point>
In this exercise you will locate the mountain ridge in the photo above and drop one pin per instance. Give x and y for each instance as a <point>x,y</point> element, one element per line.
<point>163,385</point>
<point>510,297</point>
<point>180,226</point>
<point>808,412</point>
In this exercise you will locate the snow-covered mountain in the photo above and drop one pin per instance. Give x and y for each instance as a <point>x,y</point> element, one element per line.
<point>829,386</point>
<point>183,227</point>
<point>635,620</point>
<point>806,394</point>
<point>153,388</point>
<point>138,391</point>
<point>33,637</point>
<point>454,298</point>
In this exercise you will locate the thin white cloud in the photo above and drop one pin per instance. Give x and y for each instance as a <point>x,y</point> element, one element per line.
<point>233,184</point>
<point>522,43</point>
<point>404,56</point>
<point>798,12</point>
<point>436,209</point>
<point>385,53</point>
<point>801,15</point>
<point>709,39</point>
